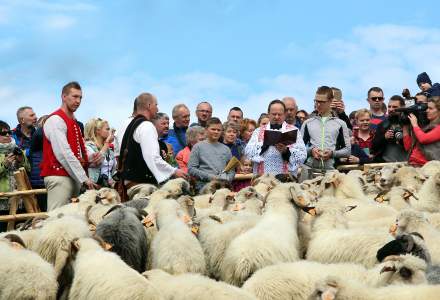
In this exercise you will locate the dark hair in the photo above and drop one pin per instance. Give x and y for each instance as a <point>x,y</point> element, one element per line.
<point>398,98</point>
<point>306,114</point>
<point>276,101</point>
<point>213,121</point>
<point>236,108</point>
<point>4,125</point>
<point>325,90</point>
<point>262,116</point>
<point>374,89</point>
<point>71,85</point>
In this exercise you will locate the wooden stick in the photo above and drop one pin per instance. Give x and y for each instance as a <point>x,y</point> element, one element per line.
<point>19,193</point>
<point>20,217</point>
<point>243,176</point>
<point>12,210</point>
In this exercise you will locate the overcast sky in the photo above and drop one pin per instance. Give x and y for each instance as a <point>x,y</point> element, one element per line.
<point>227,52</point>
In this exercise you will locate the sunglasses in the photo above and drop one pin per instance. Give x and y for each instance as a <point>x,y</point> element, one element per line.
<point>6,132</point>
<point>377,98</point>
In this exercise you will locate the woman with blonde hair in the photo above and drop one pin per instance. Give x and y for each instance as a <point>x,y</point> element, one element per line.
<point>424,145</point>
<point>99,138</point>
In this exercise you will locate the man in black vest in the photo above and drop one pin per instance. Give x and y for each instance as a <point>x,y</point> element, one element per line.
<point>140,159</point>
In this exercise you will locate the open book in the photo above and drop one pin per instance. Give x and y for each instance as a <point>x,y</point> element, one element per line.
<point>272,137</point>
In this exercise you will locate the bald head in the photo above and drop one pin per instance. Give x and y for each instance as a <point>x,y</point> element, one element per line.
<point>291,109</point>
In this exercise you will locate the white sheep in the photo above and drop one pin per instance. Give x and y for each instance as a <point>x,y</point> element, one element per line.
<point>175,248</point>
<point>274,239</point>
<point>194,287</point>
<point>332,241</point>
<point>409,178</point>
<point>336,288</point>
<point>217,202</point>
<point>409,220</point>
<point>141,191</point>
<point>298,280</point>
<point>101,274</point>
<point>215,235</point>
<point>430,168</point>
<point>265,183</point>
<point>24,274</point>
<point>55,237</point>
<point>429,195</point>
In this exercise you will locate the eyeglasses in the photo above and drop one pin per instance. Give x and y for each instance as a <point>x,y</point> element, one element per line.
<point>377,98</point>
<point>321,102</point>
<point>204,111</point>
<point>6,132</point>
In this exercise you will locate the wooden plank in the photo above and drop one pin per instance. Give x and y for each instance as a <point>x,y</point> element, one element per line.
<point>12,211</point>
<point>243,176</point>
<point>20,193</point>
<point>21,217</point>
<point>380,165</point>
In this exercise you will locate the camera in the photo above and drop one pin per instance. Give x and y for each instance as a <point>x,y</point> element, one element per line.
<point>418,109</point>
<point>398,132</point>
<point>17,151</point>
<point>103,180</point>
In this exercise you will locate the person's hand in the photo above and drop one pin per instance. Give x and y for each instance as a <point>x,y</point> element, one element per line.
<point>413,119</point>
<point>327,154</point>
<point>9,160</point>
<point>316,153</point>
<point>340,106</point>
<point>90,184</point>
<point>97,158</point>
<point>389,134</point>
<point>281,147</point>
<point>180,174</point>
<point>110,138</point>
<point>353,159</point>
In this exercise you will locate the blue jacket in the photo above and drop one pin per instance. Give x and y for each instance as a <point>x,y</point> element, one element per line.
<point>36,156</point>
<point>21,140</point>
<point>177,138</point>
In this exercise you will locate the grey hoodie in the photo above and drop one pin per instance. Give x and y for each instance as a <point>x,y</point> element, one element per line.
<point>329,133</point>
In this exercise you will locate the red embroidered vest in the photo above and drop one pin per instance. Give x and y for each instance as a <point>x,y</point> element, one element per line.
<point>50,166</point>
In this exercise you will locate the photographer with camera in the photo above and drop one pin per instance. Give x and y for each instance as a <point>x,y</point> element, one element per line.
<point>424,144</point>
<point>387,144</point>
<point>11,158</point>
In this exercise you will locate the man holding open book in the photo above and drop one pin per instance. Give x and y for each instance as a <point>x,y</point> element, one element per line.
<point>278,147</point>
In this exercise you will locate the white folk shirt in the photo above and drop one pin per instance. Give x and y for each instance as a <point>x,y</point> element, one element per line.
<point>271,161</point>
<point>146,135</point>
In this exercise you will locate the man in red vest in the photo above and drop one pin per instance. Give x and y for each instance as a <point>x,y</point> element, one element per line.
<point>64,154</point>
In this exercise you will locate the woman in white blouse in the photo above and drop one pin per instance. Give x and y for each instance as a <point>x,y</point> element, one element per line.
<point>99,138</point>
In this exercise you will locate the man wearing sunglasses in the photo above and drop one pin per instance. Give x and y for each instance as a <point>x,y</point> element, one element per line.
<point>376,99</point>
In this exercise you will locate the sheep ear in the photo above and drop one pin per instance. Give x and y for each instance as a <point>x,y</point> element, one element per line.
<point>350,208</point>
<point>311,210</point>
<point>211,198</point>
<point>249,194</point>
<point>75,246</point>
<point>16,241</point>
<point>74,200</point>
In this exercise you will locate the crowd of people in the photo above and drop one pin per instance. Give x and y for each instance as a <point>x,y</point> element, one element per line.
<point>62,155</point>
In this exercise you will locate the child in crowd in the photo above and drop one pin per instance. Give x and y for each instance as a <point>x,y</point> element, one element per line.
<point>244,168</point>
<point>209,158</point>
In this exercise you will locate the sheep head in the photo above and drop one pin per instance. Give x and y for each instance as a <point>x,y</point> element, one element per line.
<point>327,289</point>
<point>408,220</point>
<point>107,196</point>
<point>406,269</point>
<point>387,176</point>
<point>187,204</point>
<point>177,187</point>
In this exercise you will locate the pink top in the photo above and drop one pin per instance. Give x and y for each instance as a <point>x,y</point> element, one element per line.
<point>417,157</point>
<point>182,159</point>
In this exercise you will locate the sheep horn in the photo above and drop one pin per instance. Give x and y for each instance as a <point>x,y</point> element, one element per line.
<point>350,208</point>
<point>216,218</point>
<point>392,258</point>
<point>35,220</point>
<point>16,241</point>
<point>92,224</point>
<point>388,269</point>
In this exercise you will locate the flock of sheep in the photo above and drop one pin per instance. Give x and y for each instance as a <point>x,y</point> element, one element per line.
<point>360,235</point>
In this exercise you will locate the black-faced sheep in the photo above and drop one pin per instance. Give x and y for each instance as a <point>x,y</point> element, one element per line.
<point>123,230</point>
